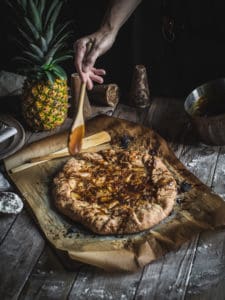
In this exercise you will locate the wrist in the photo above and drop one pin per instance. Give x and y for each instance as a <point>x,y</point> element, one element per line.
<point>109,29</point>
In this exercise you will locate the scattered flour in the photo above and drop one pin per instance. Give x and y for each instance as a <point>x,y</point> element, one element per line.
<point>193,163</point>
<point>4,184</point>
<point>10,203</point>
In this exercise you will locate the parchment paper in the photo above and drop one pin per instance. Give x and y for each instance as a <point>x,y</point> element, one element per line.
<point>196,209</point>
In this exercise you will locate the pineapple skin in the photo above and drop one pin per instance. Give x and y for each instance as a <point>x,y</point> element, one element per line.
<point>45,105</point>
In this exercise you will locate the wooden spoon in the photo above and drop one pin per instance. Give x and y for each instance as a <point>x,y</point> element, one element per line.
<point>78,128</point>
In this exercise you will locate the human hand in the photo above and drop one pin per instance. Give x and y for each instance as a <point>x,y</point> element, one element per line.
<point>85,58</point>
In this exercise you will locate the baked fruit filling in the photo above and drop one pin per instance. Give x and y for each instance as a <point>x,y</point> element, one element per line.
<point>115,191</point>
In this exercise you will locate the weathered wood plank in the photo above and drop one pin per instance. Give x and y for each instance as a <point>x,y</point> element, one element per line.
<point>166,278</point>
<point>207,276</point>
<point>172,281</point>
<point>176,148</point>
<point>215,292</point>
<point>6,222</point>
<point>49,279</point>
<point>218,184</point>
<point>93,283</point>
<point>19,252</point>
<point>201,160</point>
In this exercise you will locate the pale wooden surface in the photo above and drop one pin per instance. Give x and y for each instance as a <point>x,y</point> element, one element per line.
<point>30,269</point>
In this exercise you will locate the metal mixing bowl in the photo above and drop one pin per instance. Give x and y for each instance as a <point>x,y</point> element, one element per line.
<point>205,106</point>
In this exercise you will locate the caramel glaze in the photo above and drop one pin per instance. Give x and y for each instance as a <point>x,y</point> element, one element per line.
<point>75,140</point>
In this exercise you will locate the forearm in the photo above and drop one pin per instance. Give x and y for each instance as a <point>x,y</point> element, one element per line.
<point>117,13</point>
<point>102,40</point>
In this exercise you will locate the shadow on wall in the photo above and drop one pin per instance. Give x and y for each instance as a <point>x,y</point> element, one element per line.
<point>174,68</point>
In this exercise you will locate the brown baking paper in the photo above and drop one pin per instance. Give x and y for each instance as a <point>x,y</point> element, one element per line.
<point>200,209</point>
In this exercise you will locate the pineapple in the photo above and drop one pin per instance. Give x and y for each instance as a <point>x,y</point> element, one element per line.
<point>45,92</point>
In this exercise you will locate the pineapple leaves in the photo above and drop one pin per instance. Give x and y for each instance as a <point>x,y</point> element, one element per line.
<point>9,3</point>
<point>62,38</point>
<point>65,52</point>
<point>23,59</point>
<point>57,70</point>
<point>55,13</point>
<point>54,70</point>
<point>62,58</point>
<point>18,42</point>
<point>60,29</point>
<point>20,4</point>
<point>34,57</point>
<point>35,16</point>
<point>50,12</point>
<point>53,51</point>
<point>41,7</point>
<point>41,39</point>
<point>35,2</point>
<point>25,35</point>
<point>49,60</point>
<point>44,45</point>
<point>37,50</point>
<point>32,28</point>
<point>24,4</point>
<point>51,77</point>
<point>49,33</point>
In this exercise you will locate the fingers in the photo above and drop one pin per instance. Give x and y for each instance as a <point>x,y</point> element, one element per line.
<point>89,84</point>
<point>100,72</point>
<point>95,75</point>
<point>80,49</point>
<point>96,78</point>
<point>85,61</point>
<point>89,60</point>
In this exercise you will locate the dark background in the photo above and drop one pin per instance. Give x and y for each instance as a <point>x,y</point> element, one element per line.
<point>174,68</point>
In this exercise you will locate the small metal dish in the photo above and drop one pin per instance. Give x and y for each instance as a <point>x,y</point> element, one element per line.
<point>14,143</point>
<point>205,106</point>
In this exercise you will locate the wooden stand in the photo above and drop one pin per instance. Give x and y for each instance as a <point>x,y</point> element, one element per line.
<point>105,94</point>
<point>139,93</point>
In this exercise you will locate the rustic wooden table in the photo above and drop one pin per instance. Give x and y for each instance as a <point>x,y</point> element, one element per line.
<point>31,269</point>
